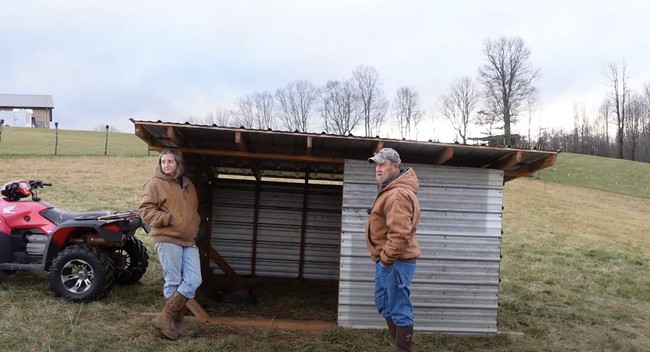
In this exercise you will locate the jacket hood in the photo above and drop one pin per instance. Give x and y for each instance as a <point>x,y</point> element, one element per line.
<point>406,179</point>
<point>157,173</point>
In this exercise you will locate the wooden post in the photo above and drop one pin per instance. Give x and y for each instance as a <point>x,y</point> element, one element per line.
<point>106,144</point>
<point>56,138</point>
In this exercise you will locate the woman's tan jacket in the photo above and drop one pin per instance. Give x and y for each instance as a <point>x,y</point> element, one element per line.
<point>170,210</point>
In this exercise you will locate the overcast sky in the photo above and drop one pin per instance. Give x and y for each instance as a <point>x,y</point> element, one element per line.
<point>104,62</point>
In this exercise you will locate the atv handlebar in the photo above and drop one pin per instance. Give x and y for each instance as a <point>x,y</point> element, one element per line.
<point>38,184</point>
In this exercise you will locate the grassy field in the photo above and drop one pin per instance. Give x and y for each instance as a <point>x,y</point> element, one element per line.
<point>605,174</point>
<point>574,270</point>
<point>44,141</point>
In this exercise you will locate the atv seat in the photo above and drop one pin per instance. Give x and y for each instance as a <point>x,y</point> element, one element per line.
<point>59,216</point>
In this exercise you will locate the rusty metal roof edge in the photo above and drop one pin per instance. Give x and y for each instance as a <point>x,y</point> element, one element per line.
<point>348,137</point>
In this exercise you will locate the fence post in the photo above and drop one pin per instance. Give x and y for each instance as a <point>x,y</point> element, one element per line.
<point>56,138</point>
<point>2,123</point>
<point>106,144</point>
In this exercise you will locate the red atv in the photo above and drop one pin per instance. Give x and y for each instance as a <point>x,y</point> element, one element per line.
<point>85,253</point>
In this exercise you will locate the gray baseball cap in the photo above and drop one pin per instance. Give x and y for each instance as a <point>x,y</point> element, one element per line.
<point>384,155</point>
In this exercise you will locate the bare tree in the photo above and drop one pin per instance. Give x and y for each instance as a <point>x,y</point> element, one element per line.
<point>509,80</point>
<point>193,119</point>
<point>256,111</point>
<point>617,79</point>
<point>245,115</point>
<point>407,111</point>
<point>581,128</point>
<point>459,104</point>
<point>531,106</point>
<point>265,106</point>
<point>487,119</point>
<point>635,116</point>
<point>646,122</point>
<point>603,114</point>
<point>373,103</point>
<point>220,117</point>
<point>340,107</point>
<point>295,104</point>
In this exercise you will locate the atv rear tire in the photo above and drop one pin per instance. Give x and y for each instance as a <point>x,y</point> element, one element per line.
<point>81,273</point>
<point>130,262</point>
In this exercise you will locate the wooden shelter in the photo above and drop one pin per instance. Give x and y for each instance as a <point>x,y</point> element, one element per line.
<point>294,206</point>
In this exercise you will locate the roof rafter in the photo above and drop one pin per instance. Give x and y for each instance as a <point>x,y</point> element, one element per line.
<point>242,147</point>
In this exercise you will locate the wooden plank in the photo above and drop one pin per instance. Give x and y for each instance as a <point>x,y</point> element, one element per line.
<point>196,309</point>
<point>221,263</point>
<point>262,323</point>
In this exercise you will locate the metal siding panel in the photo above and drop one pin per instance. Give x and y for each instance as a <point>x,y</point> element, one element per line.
<point>279,229</point>
<point>232,225</point>
<point>456,284</point>
<point>26,100</point>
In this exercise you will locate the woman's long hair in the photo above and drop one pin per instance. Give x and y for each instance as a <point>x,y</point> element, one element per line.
<point>178,156</point>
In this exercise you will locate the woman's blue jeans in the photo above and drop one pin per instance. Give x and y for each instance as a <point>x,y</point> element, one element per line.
<point>181,269</point>
<point>392,293</point>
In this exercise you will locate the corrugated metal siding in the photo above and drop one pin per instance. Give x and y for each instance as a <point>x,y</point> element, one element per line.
<point>456,284</point>
<point>276,251</point>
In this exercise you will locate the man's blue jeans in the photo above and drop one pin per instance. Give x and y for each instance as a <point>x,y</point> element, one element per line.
<point>392,293</point>
<point>181,269</point>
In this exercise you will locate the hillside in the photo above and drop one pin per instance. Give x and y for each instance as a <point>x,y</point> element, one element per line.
<point>44,141</point>
<point>605,174</point>
<point>573,273</point>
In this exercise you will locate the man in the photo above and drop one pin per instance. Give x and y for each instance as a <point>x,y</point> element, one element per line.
<point>390,237</point>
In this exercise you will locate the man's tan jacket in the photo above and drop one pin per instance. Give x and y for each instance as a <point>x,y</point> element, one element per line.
<point>393,220</point>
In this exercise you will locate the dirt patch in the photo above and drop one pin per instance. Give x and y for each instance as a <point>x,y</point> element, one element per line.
<point>272,299</point>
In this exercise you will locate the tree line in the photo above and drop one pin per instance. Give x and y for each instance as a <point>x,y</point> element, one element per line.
<point>501,94</point>
<point>619,129</point>
<point>338,107</point>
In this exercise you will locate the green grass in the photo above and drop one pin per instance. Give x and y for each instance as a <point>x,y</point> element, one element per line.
<point>43,141</point>
<point>574,270</point>
<point>605,174</point>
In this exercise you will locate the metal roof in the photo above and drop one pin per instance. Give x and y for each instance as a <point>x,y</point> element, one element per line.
<point>25,101</point>
<point>267,153</point>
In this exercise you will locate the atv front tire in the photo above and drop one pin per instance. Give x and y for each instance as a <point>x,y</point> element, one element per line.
<point>130,262</point>
<point>81,273</point>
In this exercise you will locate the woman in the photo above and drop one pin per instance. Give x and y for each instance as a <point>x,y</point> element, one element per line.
<point>169,205</point>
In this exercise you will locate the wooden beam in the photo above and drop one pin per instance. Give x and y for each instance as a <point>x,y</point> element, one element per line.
<point>272,323</point>
<point>239,142</point>
<point>530,169</point>
<point>266,156</point>
<point>512,174</point>
<point>221,263</point>
<point>543,163</point>
<point>175,136</point>
<point>261,323</point>
<point>196,309</point>
<point>144,135</point>
<point>379,146</point>
<point>309,145</point>
<point>509,160</point>
<point>444,156</point>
